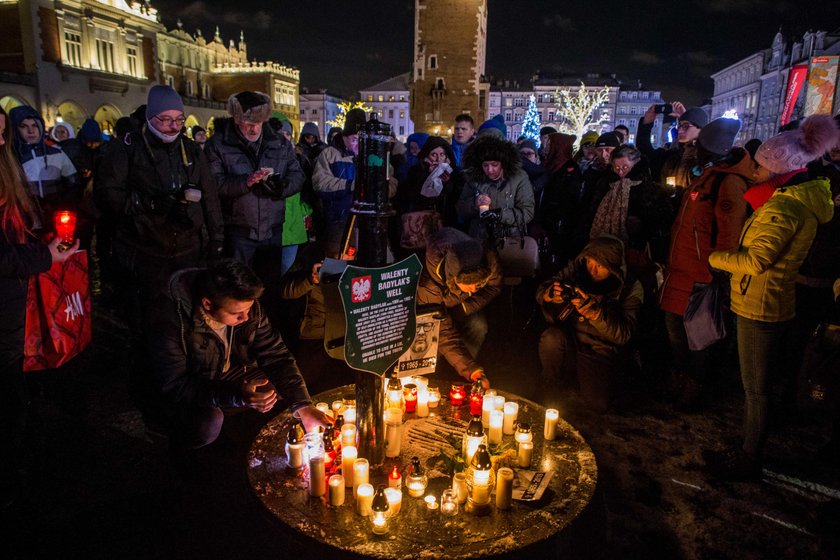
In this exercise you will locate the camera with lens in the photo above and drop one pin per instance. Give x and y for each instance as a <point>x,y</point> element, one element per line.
<point>491,220</point>
<point>271,187</point>
<point>568,291</point>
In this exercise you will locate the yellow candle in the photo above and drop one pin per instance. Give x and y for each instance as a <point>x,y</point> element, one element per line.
<point>348,457</point>
<point>552,415</point>
<point>336,408</point>
<point>336,490</point>
<point>350,414</point>
<point>416,489</point>
<point>488,405</point>
<point>497,418</point>
<point>498,402</point>
<point>511,412</point>
<point>317,482</point>
<point>504,488</point>
<point>434,397</point>
<point>361,471</point>
<point>348,435</point>
<point>526,449</point>
<point>323,407</point>
<point>364,499</point>
<point>394,497</point>
<point>459,485</point>
<point>422,403</point>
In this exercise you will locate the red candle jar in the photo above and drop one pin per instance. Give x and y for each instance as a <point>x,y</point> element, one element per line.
<point>457,394</point>
<point>476,401</point>
<point>410,395</point>
<point>65,225</point>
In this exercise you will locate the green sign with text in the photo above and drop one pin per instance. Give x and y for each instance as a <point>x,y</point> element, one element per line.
<point>380,312</point>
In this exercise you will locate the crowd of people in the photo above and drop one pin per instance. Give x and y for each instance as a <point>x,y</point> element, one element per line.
<point>202,234</point>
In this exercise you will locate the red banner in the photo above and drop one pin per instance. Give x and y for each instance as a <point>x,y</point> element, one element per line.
<point>796,79</point>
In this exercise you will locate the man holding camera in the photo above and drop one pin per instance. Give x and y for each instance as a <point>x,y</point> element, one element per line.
<point>157,186</point>
<point>256,170</point>
<point>592,306</point>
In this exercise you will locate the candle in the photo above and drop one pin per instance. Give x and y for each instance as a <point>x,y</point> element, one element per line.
<point>395,478</point>
<point>393,432</point>
<point>497,418</point>
<point>416,488</point>
<point>422,403</point>
<point>364,499</point>
<point>459,486</point>
<point>523,432</point>
<point>511,412</point>
<point>457,394</point>
<point>431,502</point>
<point>552,415</point>
<point>504,488</point>
<point>348,435</point>
<point>421,382</point>
<point>317,480</point>
<point>476,403</point>
<point>361,473</point>
<point>350,414</point>
<point>348,457</point>
<point>526,449</point>
<point>410,395</point>
<point>490,393</point>
<point>498,402</point>
<point>294,454</point>
<point>394,497</point>
<point>323,407</point>
<point>671,182</point>
<point>65,226</point>
<point>448,502</point>
<point>336,490</point>
<point>336,408</point>
<point>434,397</point>
<point>488,406</point>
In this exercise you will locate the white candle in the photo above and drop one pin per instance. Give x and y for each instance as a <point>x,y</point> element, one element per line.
<point>497,418</point>
<point>348,456</point>
<point>393,432</point>
<point>504,488</point>
<point>511,412</point>
<point>499,402</point>
<point>323,407</point>
<point>336,490</point>
<point>422,403</point>
<point>421,382</point>
<point>350,414</point>
<point>481,487</point>
<point>459,485</point>
<point>294,455</point>
<point>416,489</point>
<point>336,408</point>
<point>361,471</point>
<point>434,398</point>
<point>317,482</point>
<point>488,405</point>
<point>526,449</point>
<point>364,499</point>
<point>552,415</point>
<point>394,497</point>
<point>348,435</point>
<point>431,502</point>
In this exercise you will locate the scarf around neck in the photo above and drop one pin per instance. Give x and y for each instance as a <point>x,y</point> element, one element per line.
<point>611,216</point>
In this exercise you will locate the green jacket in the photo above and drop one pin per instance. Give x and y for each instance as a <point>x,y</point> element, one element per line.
<point>774,242</point>
<point>294,226</point>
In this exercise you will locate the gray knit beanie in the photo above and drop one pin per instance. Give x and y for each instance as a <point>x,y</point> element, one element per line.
<point>163,98</point>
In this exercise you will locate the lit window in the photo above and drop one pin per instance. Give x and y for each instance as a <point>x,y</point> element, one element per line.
<point>402,114</point>
<point>131,55</point>
<point>381,98</point>
<point>370,98</point>
<point>73,48</point>
<point>402,97</point>
<point>105,53</point>
<point>390,98</point>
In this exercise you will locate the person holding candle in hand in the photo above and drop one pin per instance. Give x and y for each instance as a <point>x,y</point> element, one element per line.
<point>21,255</point>
<point>592,305</point>
<point>212,348</point>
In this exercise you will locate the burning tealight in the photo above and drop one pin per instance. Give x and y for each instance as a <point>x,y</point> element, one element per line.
<point>457,394</point>
<point>336,408</point>
<point>336,490</point>
<point>431,502</point>
<point>348,435</point>
<point>434,397</point>
<point>448,502</point>
<point>511,412</point>
<point>552,415</point>
<point>395,478</point>
<point>348,457</point>
<point>394,497</point>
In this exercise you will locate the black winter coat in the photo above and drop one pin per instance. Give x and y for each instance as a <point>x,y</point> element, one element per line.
<point>139,182</point>
<point>187,356</point>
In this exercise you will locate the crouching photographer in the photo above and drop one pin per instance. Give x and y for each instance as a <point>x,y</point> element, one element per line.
<point>592,306</point>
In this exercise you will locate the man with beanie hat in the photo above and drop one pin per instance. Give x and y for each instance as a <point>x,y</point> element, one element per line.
<point>256,170</point>
<point>586,156</point>
<point>157,186</point>
<point>335,173</point>
<point>773,243</point>
<point>495,126</point>
<point>710,218</point>
<point>672,167</point>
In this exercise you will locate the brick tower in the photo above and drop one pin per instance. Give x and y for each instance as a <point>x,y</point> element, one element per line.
<point>450,45</point>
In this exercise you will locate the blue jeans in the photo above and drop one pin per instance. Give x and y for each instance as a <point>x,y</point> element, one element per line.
<point>760,352</point>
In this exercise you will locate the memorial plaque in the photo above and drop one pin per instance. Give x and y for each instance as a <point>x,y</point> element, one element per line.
<point>380,312</point>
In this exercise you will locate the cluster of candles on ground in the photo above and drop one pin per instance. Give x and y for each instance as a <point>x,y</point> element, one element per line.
<point>333,464</point>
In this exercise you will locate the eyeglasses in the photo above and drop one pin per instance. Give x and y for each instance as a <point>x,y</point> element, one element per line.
<point>167,121</point>
<point>685,126</point>
<point>622,167</point>
<point>425,327</point>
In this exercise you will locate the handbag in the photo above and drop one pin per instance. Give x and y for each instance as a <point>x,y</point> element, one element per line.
<point>519,256</point>
<point>58,314</point>
<point>820,372</point>
<point>707,314</point>
<point>418,227</point>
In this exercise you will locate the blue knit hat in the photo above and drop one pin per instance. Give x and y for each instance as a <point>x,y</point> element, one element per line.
<point>163,98</point>
<point>497,122</point>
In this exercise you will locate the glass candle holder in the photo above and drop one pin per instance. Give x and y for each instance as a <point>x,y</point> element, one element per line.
<point>476,399</point>
<point>314,445</point>
<point>348,435</point>
<point>361,473</point>
<point>394,394</point>
<point>395,478</point>
<point>393,432</point>
<point>473,437</point>
<point>379,512</point>
<point>494,434</point>
<point>350,410</point>
<point>523,432</point>
<point>480,483</point>
<point>336,408</point>
<point>552,416</point>
<point>410,396</point>
<point>294,446</point>
<point>416,481</point>
<point>524,454</point>
<point>431,502</point>
<point>348,457</point>
<point>364,499</point>
<point>422,409</point>
<point>457,395</point>
<point>448,502</point>
<point>434,397</point>
<point>65,226</point>
<point>324,407</point>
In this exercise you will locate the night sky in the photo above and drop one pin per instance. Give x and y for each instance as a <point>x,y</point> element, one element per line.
<point>345,46</point>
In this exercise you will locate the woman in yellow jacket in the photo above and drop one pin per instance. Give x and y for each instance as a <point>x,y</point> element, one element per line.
<point>774,242</point>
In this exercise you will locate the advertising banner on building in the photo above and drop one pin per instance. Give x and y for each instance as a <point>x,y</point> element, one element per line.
<point>380,313</point>
<point>822,83</point>
<point>796,79</point>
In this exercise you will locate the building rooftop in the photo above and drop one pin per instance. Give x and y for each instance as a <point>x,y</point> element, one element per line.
<point>397,83</point>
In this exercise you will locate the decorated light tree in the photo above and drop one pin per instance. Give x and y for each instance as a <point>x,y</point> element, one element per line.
<point>531,124</point>
<point>578,111</point>
<point>343,108</point>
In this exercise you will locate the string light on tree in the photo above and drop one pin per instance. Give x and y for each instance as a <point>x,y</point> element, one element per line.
<point>531,124</point>
<point>343,108</point>
<point>578,111</point>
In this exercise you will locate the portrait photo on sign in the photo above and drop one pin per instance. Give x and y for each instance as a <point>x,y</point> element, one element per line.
<point>421,357</point>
